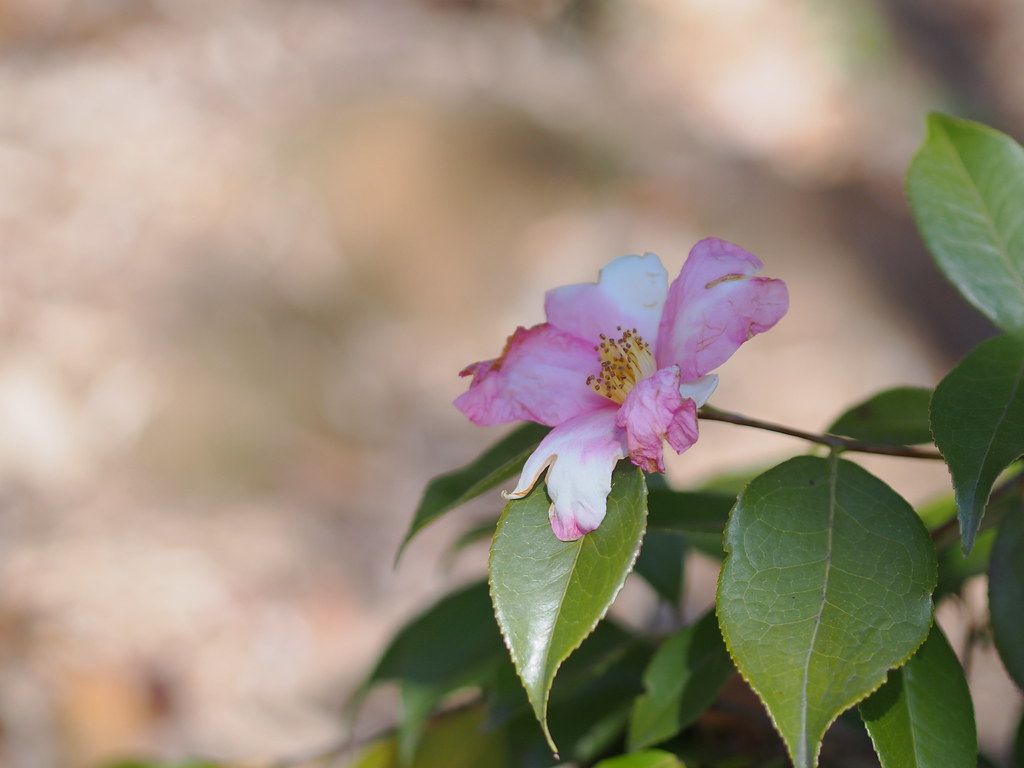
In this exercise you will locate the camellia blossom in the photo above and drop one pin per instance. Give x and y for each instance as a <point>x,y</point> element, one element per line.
<point>620,367</point>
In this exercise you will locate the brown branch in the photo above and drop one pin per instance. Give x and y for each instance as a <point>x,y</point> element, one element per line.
<point>832,441</point>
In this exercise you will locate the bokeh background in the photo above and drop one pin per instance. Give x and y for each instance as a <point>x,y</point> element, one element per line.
<point>246,246</point>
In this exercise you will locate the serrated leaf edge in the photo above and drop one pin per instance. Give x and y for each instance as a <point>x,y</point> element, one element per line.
<point>743,674</point>
<point>541,711</point>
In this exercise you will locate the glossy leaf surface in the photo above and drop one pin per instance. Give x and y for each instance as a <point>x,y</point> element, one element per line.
<point>826,586</point>
<point>502,461</point>
<point>683,678</point>
<point>1006,589</point>
<point>978,422</point>
<point>548,594</point>
<point>966,189</point>
<point>894,417</point>
<point>923,716</point>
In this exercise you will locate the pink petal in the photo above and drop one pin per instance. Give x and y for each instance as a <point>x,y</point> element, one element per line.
<point>630,293</point>
<point>714,306</point>
<point>580,456</point>
<point>655,411</point>
<point>541,376</point>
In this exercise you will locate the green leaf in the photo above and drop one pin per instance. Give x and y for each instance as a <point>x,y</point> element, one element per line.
<point>978,422</point>
<point>825,586</point>
<point>661,564</point>
<point>452,645</point>
<point>682,680</point>
<point>955,567</point>
<point>548,594</point>
<point>651,758</point>
<point>1006,590</point>
<point>894,417</point>
<point>689,512</point>
<point>500,462</point>
<point>456,740</point>
<point>589,717</point>
<point>923,717</point>
<point>966,189</point>
<point>589,700</point>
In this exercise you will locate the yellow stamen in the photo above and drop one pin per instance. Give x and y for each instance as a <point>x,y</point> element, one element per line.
<point>624,361</point>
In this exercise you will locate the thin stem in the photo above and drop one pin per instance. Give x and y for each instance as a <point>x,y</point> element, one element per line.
<point>832,441</point>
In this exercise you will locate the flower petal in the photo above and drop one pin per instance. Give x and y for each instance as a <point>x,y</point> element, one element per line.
<point>630,293</point>
<point>541,376</point>
<point>580,456</point>
<point>700,390</point>
<point>655,411</point>
<point>714,306</point>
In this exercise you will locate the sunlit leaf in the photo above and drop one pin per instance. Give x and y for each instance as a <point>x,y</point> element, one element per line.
<point>651,758</point>
<point>502,461</point>
<point>923,716</point>
<point>826,586</point>
<point>548,594</point>
<point>978,422</point>
<point>894,417</point>
<point>1006,589</point>
<point>966,189</point>
<point>682,680</point>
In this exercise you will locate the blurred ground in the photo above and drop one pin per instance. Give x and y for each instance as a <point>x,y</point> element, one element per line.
<point>247,245</point>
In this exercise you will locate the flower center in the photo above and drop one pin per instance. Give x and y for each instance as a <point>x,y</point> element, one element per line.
<point>624,361</point>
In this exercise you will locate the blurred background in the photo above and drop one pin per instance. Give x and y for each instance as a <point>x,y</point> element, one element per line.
<point>247,245</point>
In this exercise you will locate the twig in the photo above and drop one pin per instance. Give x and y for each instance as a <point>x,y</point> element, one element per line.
<point>832,441</point>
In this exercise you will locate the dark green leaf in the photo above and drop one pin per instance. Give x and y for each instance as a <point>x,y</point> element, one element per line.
<point>826,585</point>
<point>548,594</point>
<point>978,422</point>
<point>922,717</point>
<point>1006,589</point>
<point>651,758</point>
<point>894,417</point>
<point>689,512</point>
<point>682,680</point>
<point>590,717</point>
<point>955,567</point>
<point>500,462</point>
<point>661,564</point>
<point>602,649</point>
<point>966,189</point>
<point>588,704</point>
<point>454,644</point>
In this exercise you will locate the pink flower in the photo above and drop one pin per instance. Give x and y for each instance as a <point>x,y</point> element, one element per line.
<point>620,367</point>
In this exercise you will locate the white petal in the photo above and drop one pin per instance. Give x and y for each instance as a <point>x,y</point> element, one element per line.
<point>699,390</point>
<point>630,293</point>
<point>580,456</point>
